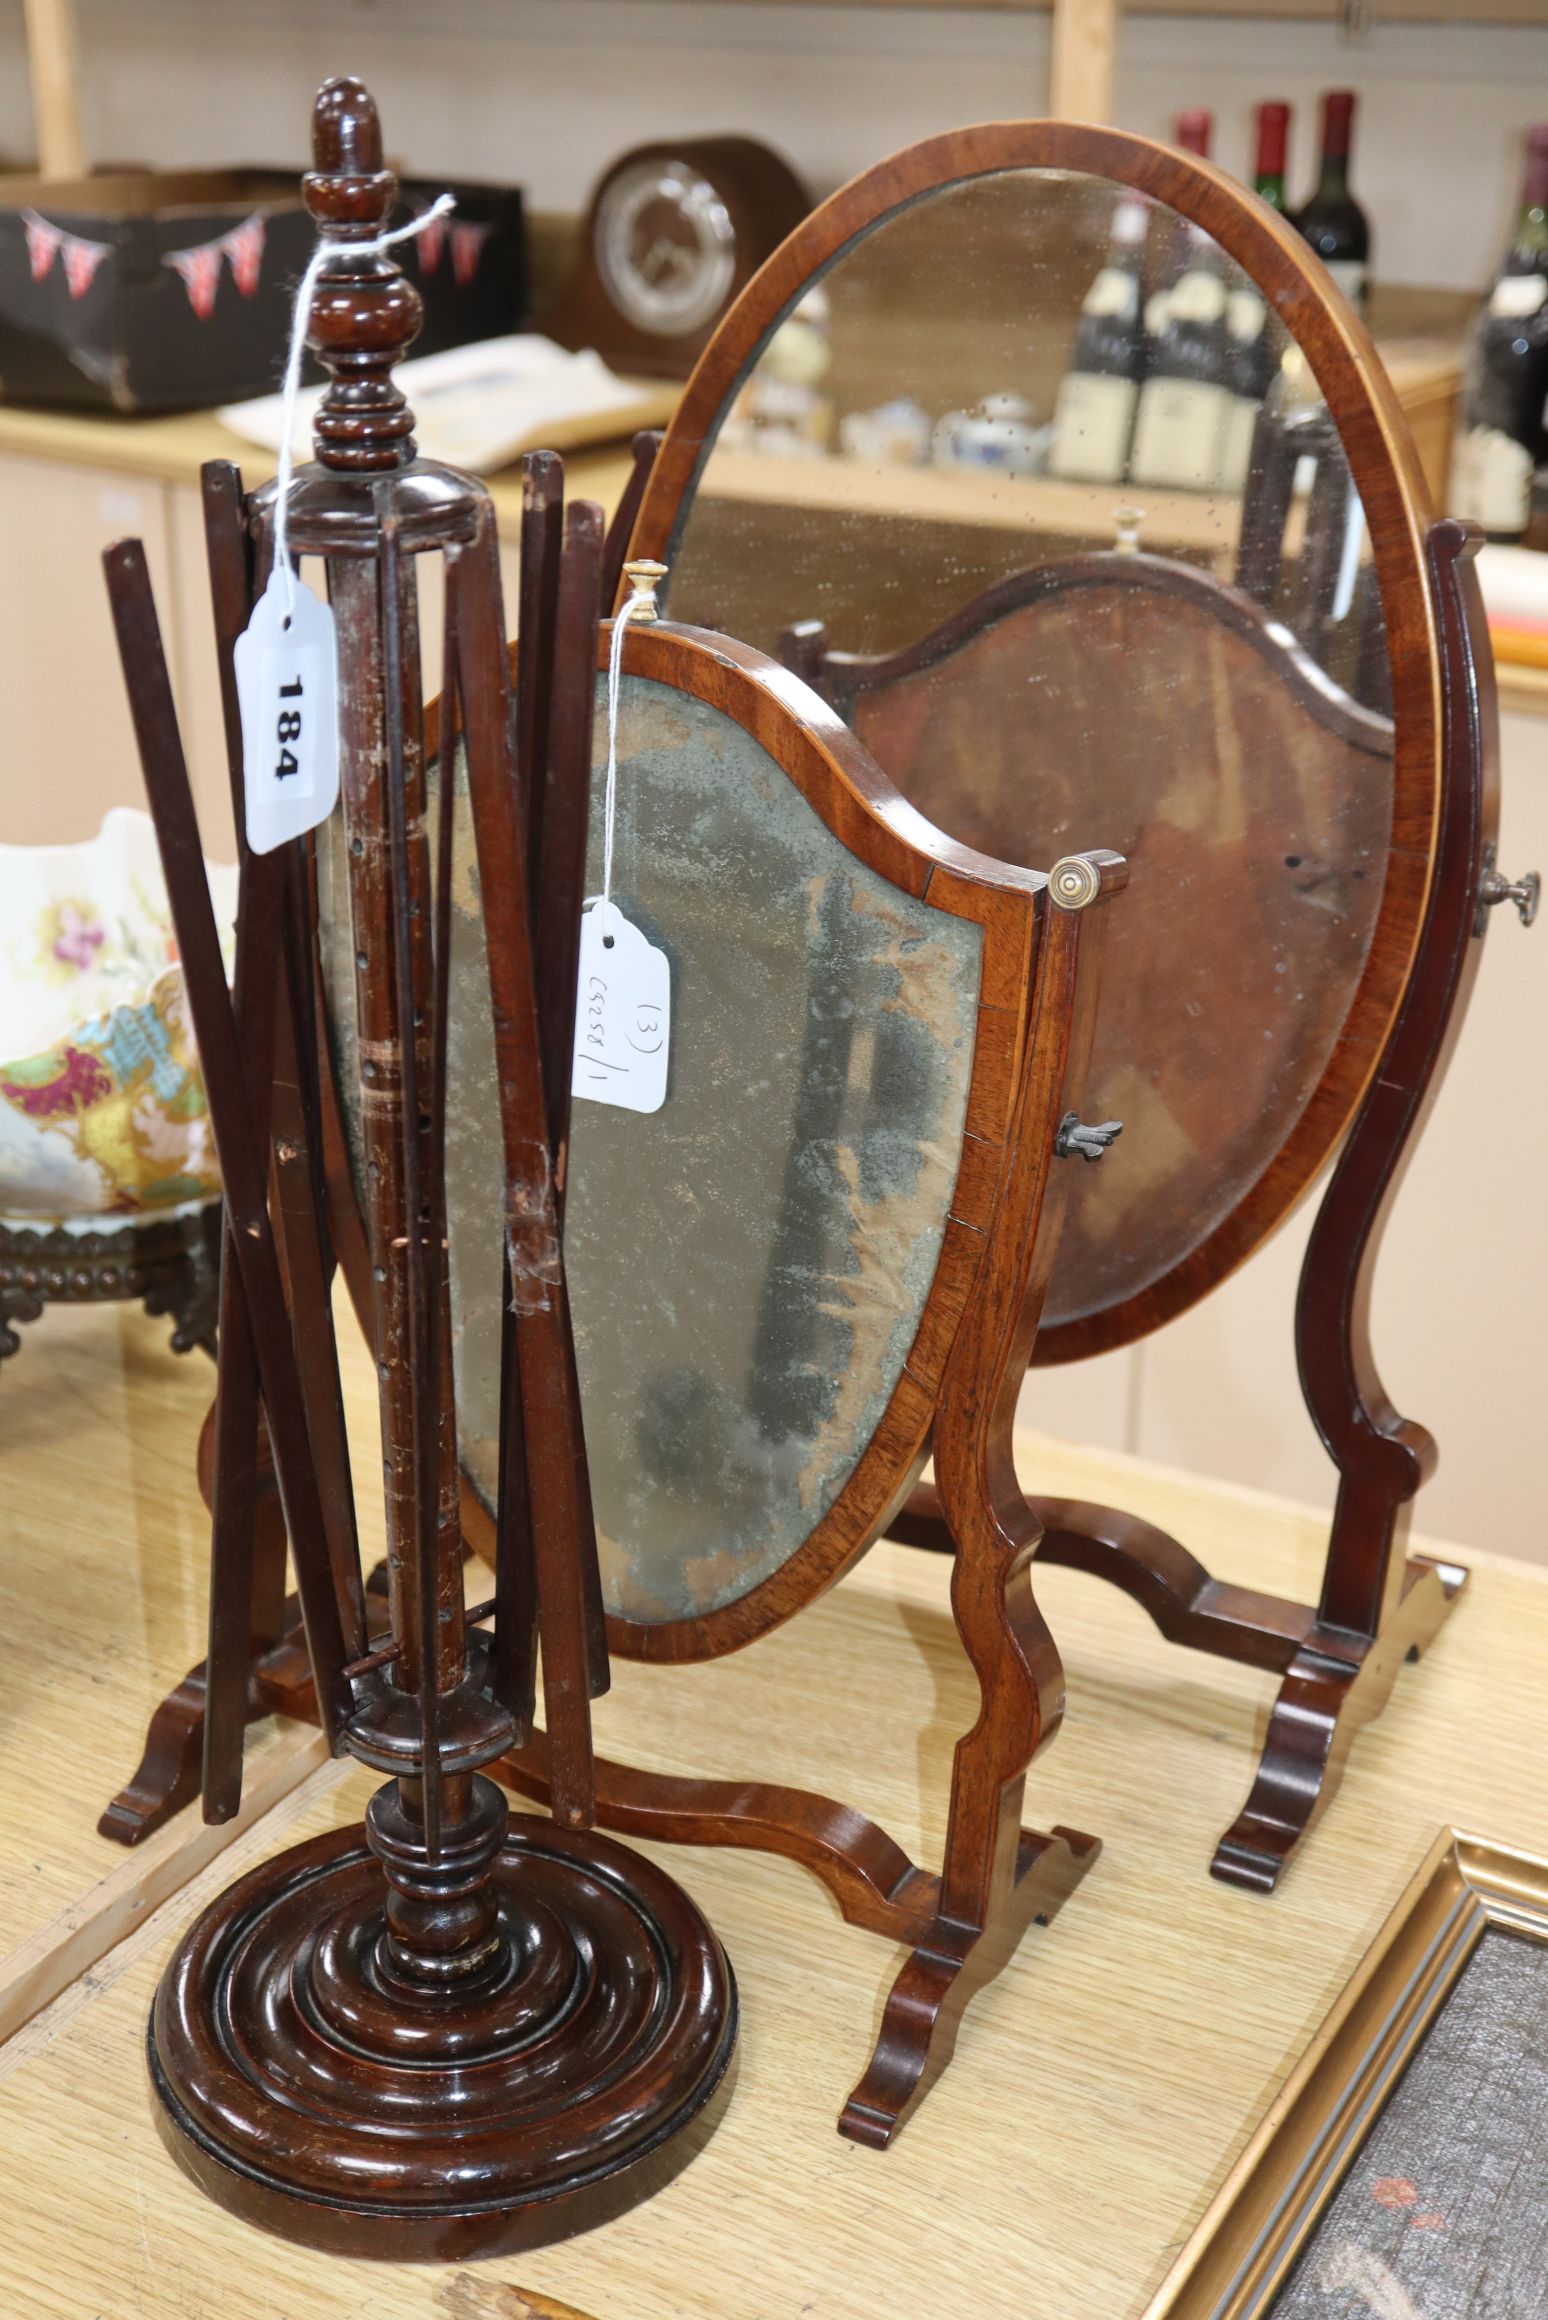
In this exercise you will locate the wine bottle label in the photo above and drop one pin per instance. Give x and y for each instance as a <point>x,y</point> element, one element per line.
<point>1198,297</point>
<point>1349,274</point>
<point>1115,291</point>
<point>1092,424</point>
<point>1178,433</point>
<point>1517,295</point>
<point>1491,480</point>
<point>1236,442</point>
<point>1245,315</point>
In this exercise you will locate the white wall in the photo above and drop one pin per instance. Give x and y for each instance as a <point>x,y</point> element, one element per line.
<point>546,91</point>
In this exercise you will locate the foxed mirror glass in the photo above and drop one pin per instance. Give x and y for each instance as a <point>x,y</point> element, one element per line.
<point>750,1267</point>
<point>1032,473</point>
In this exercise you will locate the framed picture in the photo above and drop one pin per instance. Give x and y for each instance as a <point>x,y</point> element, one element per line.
<point>1399,2172</point>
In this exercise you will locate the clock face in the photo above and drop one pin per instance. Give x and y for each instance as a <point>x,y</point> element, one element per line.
<point>665,247</point>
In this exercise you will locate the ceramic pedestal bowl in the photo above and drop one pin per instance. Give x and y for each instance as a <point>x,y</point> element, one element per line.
<point>108,1180</point>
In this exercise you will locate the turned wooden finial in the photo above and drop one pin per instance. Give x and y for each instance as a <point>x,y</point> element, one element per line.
<point>364,312</point>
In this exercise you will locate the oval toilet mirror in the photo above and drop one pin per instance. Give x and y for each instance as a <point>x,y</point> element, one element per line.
<point>920,464</point>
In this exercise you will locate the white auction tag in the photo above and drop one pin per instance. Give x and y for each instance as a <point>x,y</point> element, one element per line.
<point>287,677</point>
<point>623,1014</point>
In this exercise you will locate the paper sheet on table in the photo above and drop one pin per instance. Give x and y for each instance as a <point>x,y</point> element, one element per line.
<point>481,406</point>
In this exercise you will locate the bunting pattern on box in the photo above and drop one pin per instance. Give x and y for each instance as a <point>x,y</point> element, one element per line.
<point>199,266</point>
<point>467,247</point>
<point>46,242</point>
<point>430,241</point>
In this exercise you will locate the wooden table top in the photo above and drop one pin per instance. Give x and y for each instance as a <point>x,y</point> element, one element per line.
<point>1100,2087</point>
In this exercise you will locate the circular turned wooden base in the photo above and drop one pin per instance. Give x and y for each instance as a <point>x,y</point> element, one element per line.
<point>309,2086</point>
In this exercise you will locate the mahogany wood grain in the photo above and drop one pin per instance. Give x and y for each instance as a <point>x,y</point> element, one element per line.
<point>242,1169</point>
<point>559,885</point>
<point>1381,1458</point>
<point>958,1388</point>
<point>642,452</point>
<point>1259,752</point>
<point>542,536</point>
<point>566,777</point>
<point>235,1582</point>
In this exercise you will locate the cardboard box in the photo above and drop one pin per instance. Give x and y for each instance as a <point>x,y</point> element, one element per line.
<point>171,291</point>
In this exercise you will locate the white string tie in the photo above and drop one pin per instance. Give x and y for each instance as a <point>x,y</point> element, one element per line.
<point>305,292</point>
<point>645,603</point>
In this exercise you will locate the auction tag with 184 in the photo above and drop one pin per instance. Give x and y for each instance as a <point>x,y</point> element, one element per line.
<point>287,678</point>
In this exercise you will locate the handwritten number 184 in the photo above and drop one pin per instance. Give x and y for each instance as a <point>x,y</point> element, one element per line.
<point>288,729</point>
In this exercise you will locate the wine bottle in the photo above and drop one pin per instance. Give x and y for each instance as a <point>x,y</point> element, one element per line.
<point>1184,402</point>
<point>1191,134</point>
<point>1333,221</point>
<point>1268,176</point>
<point>1094,416</point>
<point>1253,354</point>
<point>1194,130</point>
<point>1253,350</point>
<point>1505,372</point>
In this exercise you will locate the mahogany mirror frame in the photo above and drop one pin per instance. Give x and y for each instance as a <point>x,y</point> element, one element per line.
<point>838,778</point>
<point>1385,470</point>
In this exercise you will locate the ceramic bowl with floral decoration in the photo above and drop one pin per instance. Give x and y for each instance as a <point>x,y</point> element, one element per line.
<point>102,1108</point>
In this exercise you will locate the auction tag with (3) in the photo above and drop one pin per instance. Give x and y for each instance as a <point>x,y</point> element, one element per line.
<point>287,679</point>
<point>623,1014</point>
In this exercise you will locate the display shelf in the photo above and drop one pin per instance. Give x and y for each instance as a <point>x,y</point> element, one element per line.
<point>971,496</point>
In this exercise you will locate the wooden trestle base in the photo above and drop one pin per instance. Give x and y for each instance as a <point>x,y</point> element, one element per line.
<point>1330,1685</point>
<point>1324,1698</point>
<point>1331,1680</point>
<point>873,1881</point>
<point>875,1885</point>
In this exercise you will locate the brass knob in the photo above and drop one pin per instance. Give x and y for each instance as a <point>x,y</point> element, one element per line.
<point>644,576</point>
<point>1494,887</point>
<point>1074,1138</point>
<point>1073,882</point>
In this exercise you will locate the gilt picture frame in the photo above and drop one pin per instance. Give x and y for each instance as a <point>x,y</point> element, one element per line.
<point>1366,2186</point>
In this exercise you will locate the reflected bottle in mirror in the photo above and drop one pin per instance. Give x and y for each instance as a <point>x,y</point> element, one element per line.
<point>1183,420</point>
<point>1253,356</point>
<point>1500,434</point>
<point>1333,221</point>
<point>1094,416</point>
